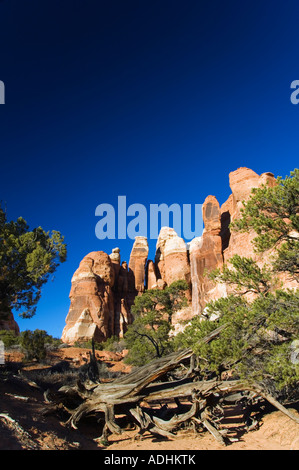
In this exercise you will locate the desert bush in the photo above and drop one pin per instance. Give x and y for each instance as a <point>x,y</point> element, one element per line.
<point>51,379</point>
<point>35,344</point>
<point>9,338</point>
<point>88,345</point>
<point>114,344</point>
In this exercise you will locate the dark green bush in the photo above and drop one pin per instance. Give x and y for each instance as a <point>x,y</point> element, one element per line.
<point>9,338</point>
<point>36,343</point>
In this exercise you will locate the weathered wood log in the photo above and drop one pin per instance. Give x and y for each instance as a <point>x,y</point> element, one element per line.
<point>146,423</point>
<point>163,392</point>
<point>215,433</point>
<point>129,388</point>
<point>126,393</point>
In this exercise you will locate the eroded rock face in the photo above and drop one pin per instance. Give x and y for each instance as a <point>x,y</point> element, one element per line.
<point>205,256</point>
<point>7,322</point>
<point>211,215</point>
<point>151,278</point>
<point>172,264</point>
<point>138,261</point>
<point>241,182</point>
<point>96,309</point>
<point>82,330</point>
<point>103,292</point>
<point>91,291</point>
<point>124,295</point>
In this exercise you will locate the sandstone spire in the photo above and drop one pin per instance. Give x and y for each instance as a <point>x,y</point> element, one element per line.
<point>137,263</point>
<point>206,255</point>
<point>171,257</point>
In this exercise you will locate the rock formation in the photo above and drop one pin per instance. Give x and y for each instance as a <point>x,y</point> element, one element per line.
<point>206,255</point>
<point>7,322</point>
<point>171,258</point>
<point>91,289</point>
<point>138,261</point>
<point>103,289</point>
<point>241,182</point>
<point>150,275</point>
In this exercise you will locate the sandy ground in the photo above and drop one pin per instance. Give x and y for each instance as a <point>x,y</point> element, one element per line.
<point>24,424</point>
<point>277,432</point>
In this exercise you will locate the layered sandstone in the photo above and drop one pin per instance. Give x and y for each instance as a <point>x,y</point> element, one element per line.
<point>151,277</point>
<point>241,182</point>
<point>91,290</point>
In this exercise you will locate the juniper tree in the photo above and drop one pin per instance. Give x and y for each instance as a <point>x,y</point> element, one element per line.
<point>27,259</point>
<point>273,213</point>
<point>34,343</point>
<point>148,336</point>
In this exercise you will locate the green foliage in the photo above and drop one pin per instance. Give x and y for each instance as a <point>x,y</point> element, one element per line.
<point>9,338</point>
<point>258,335</point>
<point>88,345</point>
<point>35,343</point>
<point>245,276</point>
<point>113,344</point>
<point>27,259</point>
<point>148,336</point>
<point>140,351</point>
<point>273,212</point>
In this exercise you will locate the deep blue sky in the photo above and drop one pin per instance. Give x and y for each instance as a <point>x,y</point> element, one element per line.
<point>156,100</point>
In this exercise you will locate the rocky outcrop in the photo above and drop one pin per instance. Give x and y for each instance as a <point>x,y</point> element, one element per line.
<point>83,329</point>
<point>91,290</point>
<point>211,215</point>
<point>103,289</point>
<point>241,182</point>
<point>102,293</point>
<point>172,264</point>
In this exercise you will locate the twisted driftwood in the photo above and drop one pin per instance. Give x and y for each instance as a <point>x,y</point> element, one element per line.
<point>126,394</point>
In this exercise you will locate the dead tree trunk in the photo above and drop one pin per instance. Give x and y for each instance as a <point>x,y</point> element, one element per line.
<point>125,395</point>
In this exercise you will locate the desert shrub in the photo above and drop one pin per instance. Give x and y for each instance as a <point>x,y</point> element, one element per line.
<point>53,379</point>
<point>9,338</point>
<point>113,344</point>
<point>36,343</point>
<point>96,371</point>
<point>88,345</point>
